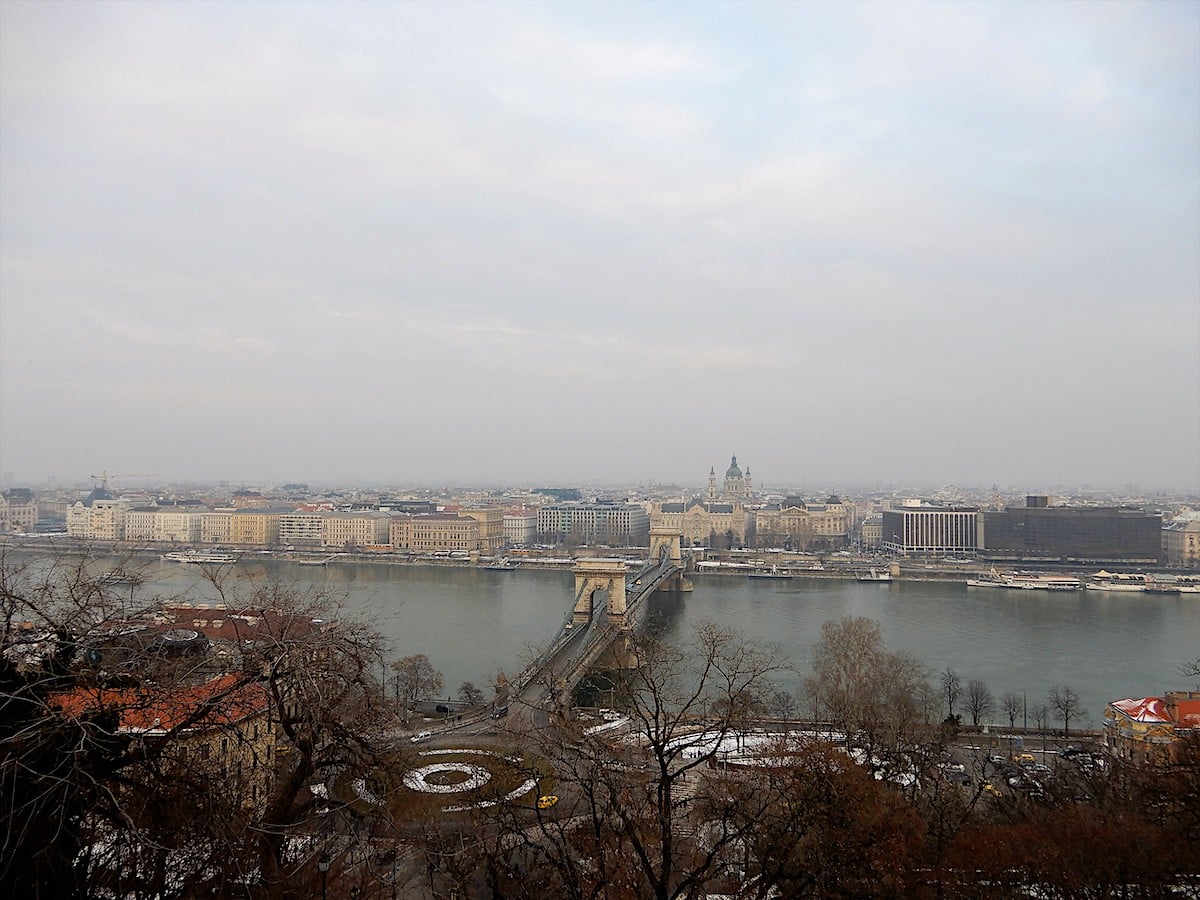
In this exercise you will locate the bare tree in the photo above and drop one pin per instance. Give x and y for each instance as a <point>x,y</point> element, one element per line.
<point>469,694</point>
<point>1012,703</point>
<point>979,700</point>
<point>1066,705</point>
<point>951,689</point>
<point>415,677</point>
<point>148,749</point>
<point>1190,669</point>
<point>871,695</point>
<point>846,669</point>
<point>1041,716</point>
<point>781,703</point>
<point>647,820</point>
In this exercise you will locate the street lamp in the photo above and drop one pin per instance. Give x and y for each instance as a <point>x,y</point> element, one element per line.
<point>323,867</point>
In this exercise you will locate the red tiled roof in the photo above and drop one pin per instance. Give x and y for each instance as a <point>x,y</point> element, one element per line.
<point>162,708</point>
<point>1144,709</point>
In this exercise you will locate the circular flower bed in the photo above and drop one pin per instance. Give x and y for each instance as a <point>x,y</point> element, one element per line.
<point>419,779</point>
<point>454,777</point>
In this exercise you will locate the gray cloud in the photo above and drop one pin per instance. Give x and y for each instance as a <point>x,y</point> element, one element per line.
<point>948,243</point>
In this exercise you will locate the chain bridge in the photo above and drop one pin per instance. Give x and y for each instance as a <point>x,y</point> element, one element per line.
<point>609,601</point>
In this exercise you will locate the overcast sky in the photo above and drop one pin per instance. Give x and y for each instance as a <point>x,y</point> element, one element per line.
<point>556,242</point>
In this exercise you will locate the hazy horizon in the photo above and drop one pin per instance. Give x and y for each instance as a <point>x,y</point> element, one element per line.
<point>522,243</point>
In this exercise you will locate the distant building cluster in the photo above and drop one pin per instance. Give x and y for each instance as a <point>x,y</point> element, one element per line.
<point>732,517</point>
<point>730,514</point>
<point>101,517</point>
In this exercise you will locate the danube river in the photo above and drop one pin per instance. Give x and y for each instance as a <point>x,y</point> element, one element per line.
<point>473,622</point>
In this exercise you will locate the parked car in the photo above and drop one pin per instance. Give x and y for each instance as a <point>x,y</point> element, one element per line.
<point>499,712</point>
<point>421,737</point>
<point>547,801</point>
<point>1024,759</point>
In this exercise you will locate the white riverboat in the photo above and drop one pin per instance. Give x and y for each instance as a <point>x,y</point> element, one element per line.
<point>1117,581</point>
<point>199,557</point>
<point>1026,581</point>
<point>876,575</point>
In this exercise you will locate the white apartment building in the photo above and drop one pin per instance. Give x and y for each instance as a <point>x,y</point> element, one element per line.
<point>216,526</point>
<point>520,527</point>
<point>18,510</point>
<point>359,529</point>
<point>180,526</point>
<point>139,524</point>
<point>105,520</point>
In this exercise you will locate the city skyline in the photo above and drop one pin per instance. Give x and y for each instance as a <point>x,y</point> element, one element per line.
<point>529,243</point>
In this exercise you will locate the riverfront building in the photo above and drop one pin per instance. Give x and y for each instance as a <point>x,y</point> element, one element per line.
<point>797,524</point>
<point>491,527</point>
<point>1069,533</point>
<point>301,529</point>
<point>366,528</point>
<point>872,531</point>
<point>257,527</point>
<point>520,527</point>
<point>920,528</point>
<point>1181,541</point>
<point>215,526</point>
<point>18,510</point>
<point>99,517</point>
<point>624,524</point>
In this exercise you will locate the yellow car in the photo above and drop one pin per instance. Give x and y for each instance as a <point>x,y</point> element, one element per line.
<point>991,789</point>
<point>547,801</point>
<point>1022,759</point>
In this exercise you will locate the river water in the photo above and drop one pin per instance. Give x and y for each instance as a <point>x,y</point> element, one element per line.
<point>473,623</point>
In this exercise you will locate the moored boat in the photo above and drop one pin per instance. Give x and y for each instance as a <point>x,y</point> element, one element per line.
<point>1117,581</point>
<point>772,573</point>
<point>121,575</point>
<point>199,557</point>
<point>876,575</point>
<point>1026,581</point>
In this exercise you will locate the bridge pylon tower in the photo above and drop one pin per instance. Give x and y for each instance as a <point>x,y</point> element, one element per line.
<point>594,575</point>
<point>668,541</point>
<point>671,538</point>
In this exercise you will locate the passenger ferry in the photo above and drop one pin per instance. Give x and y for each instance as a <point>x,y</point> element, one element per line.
<point>1026,581</point>
<point>199,557</point>
<point>1117,581</point>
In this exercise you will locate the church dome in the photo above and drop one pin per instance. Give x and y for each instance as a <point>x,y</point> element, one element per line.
<point>733,471</point>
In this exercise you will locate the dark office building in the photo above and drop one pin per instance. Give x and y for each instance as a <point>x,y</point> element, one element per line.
<point>1115,534</point>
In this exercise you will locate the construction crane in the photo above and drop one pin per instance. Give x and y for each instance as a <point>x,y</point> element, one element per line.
<point>104,476</point>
